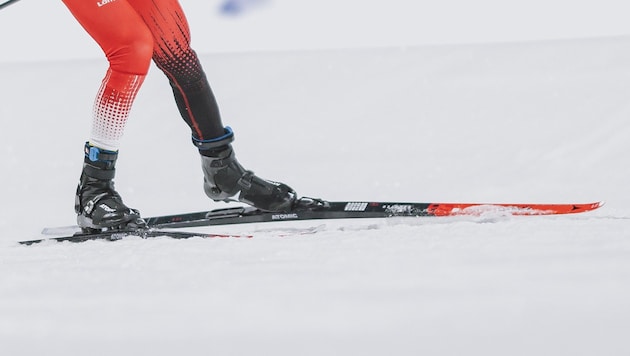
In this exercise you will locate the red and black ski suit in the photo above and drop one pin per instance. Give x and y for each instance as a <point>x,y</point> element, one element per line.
<point>131,33</point>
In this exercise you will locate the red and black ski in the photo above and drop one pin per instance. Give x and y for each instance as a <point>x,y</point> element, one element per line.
<point>308,209</point>
<point>362,209</point>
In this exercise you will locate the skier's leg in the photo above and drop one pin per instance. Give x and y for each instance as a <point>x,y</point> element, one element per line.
<point>224,177</point>
<point>128,46</point>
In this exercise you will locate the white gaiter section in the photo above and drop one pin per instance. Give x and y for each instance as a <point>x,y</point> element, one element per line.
<point>111,108</point>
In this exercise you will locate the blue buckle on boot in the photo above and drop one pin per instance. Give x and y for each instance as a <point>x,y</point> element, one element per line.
<point>93,154</point>
<point>96,154</point>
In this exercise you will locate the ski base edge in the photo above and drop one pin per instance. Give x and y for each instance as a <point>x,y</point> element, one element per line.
<point>116,235</point>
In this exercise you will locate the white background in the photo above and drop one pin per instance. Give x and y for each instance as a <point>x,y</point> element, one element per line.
<point>43,29</point>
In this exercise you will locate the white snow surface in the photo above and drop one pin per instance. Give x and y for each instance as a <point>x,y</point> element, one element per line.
<point>540,121</point>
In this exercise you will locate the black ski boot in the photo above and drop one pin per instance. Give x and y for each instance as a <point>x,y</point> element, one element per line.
<point>97,204</point>
<point>225,178</point>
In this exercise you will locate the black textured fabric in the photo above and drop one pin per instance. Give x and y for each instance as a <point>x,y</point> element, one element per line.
<point>193,95</point>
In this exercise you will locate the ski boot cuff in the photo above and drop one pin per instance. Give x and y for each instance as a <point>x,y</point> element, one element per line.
<point>207,147</point>
<point>99,163</point>
<point>100,156</point>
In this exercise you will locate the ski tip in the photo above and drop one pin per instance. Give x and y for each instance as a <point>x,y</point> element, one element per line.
<point>593,206</point>
<point>579,208</point>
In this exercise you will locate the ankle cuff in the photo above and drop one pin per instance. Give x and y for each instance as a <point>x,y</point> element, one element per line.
<point>95,154</point>
<point>216,142</point>
<point>98,157</point>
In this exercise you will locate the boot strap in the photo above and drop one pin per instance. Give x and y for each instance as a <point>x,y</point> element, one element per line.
<point>217,142</point>
<point>98,173</point>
